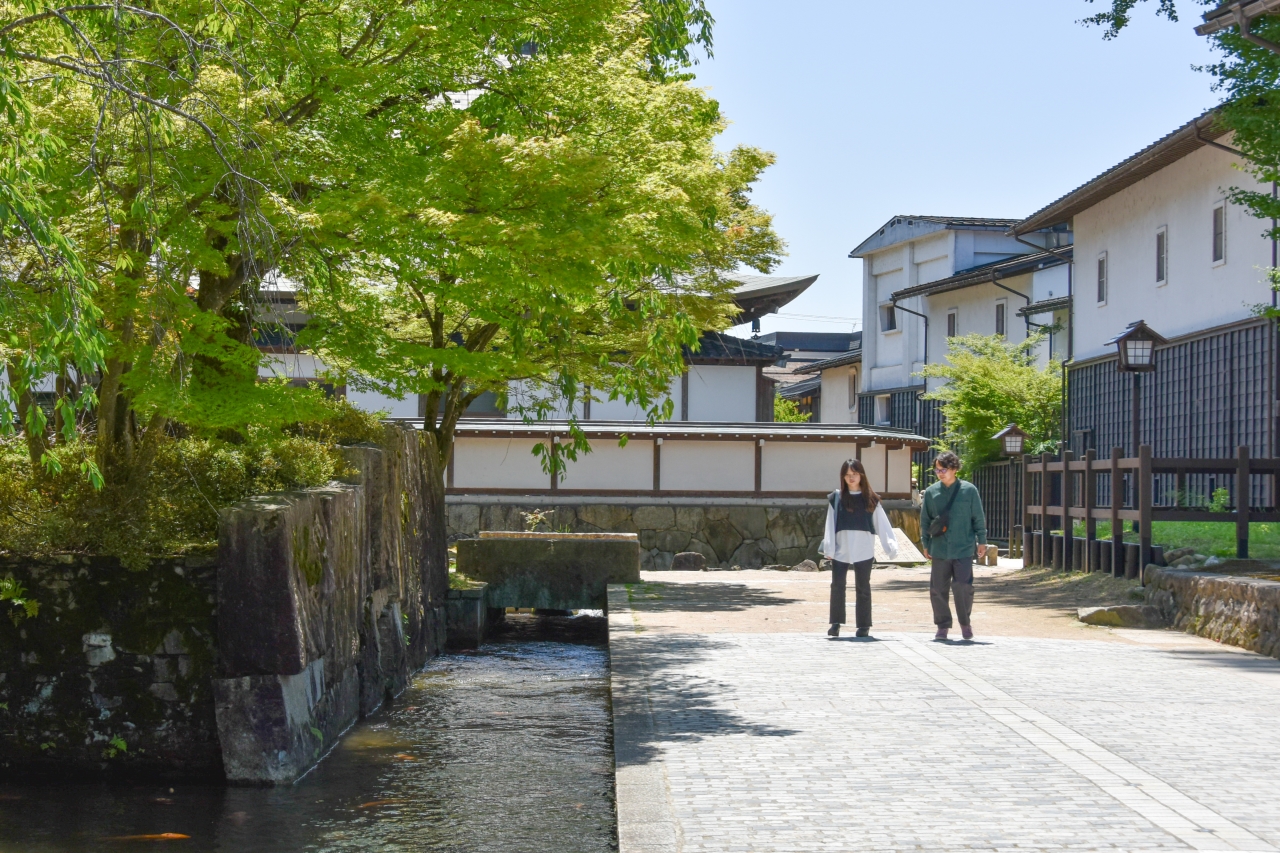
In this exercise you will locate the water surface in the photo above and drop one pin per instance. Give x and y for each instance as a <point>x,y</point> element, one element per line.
<point>507,749</point>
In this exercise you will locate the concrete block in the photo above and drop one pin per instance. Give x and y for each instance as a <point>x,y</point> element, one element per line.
<point>552,571</point>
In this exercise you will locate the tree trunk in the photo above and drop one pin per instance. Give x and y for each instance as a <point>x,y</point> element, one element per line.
<point>37,442</point>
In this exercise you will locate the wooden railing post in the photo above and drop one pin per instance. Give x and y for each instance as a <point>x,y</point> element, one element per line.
<point>1146,487</point>
<point>1026,514</point>
<point>1117,528</point>
<point>1068,523</point>
<point>1242,502</point>
<point>1090,502</point>
<point>1046,541</point>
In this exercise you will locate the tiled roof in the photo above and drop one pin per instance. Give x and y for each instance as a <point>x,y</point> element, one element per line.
<point>719,348</point>
<point>912,227</point>
<point>758,295</point>
<point>1192,136</point>
<point>796,390</point>
<point>853,356</point>
<point>1045,306</point>
<point>1016,265</point>
<point>1228,14</point>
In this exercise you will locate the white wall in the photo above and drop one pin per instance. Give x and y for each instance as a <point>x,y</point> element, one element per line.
<point>976,310</point>
<point>838,406</point>
<point>688,465</point>
<point>373,401</point>
<point>1198,294</point>
<point>708,466</point>
<point>498,463</point>
<point>1050,283</point>
<point>292,366</point>
<point>721,393</point>
<point>609,466</point>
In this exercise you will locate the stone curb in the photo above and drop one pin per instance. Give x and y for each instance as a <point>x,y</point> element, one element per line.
<point>646,817</point>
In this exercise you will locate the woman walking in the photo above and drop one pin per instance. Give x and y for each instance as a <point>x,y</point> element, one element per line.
<point>854,516</point>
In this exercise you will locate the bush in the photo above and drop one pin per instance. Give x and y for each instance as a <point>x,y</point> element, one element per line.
<point>172,506</point>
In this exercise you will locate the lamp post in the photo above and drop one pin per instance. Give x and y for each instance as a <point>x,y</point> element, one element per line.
<point>1137,350</point>
<point>1013,444</point>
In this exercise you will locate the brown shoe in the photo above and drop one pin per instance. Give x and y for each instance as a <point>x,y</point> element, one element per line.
<point>941,635</point>
<point>966,632</point>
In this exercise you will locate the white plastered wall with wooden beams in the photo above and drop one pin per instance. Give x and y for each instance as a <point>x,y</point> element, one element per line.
<point>701,460</point>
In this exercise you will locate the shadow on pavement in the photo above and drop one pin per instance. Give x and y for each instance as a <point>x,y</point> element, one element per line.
<point>682,707</point>
<point>659,597</point>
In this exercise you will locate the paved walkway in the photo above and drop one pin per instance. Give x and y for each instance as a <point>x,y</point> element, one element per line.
<point>736,731</point>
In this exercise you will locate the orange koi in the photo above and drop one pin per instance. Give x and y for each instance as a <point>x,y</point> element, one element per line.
<point>159,836</point>
<point>376,803</point>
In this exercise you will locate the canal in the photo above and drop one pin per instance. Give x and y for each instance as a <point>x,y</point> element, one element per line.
<point>505,749</point>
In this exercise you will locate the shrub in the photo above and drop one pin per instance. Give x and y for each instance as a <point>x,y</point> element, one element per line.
<point>172,506</point>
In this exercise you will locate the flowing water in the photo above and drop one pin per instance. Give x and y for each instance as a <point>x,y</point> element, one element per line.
<point>506,749</point>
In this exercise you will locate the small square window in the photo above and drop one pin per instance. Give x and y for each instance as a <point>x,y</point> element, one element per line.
<point>952,323</point>
<point>1102,279</point>
<point>1162,256</point>
<point>1001,307</point>
<point>1220,234</point>
<point>888,318</point>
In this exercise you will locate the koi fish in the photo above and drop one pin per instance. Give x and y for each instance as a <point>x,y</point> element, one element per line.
<point>376,803</point>
<point>159,836</point>
<point>404,756</point>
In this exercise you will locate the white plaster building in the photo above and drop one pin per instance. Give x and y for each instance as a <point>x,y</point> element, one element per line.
<point>906,327</point>
<point>1157,240</point>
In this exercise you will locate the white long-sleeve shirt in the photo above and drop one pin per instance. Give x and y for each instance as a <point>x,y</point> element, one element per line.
<point>854,546</point>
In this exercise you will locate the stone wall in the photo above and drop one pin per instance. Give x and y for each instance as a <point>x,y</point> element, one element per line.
<point>245,663</point>
<point>327,603</point>
<point>115,658</point>
<point>1240,611</point>
<point>743,533</point>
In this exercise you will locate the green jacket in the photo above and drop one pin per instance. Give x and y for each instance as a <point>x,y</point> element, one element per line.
<point>968,525</point>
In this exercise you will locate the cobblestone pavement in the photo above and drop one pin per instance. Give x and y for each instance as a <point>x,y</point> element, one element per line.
<point>777,741</point>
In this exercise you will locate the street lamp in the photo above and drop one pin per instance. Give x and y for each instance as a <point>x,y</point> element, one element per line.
<point>1137,348</point>
<point>1013,443</point>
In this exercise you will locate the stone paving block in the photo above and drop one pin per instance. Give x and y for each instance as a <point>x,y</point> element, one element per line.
<point>791,742</point>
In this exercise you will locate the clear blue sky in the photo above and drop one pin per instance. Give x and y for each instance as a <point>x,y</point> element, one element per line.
<point>979,108</point>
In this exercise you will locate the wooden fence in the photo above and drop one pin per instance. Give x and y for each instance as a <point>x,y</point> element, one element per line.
<point>1123,489</point>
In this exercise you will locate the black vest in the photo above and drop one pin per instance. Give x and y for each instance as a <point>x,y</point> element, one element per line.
<point>857,518</point>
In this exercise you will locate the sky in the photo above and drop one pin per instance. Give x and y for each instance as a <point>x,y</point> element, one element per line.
<point>933,107</point>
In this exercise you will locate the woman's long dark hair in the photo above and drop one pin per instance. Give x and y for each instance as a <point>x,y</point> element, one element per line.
<point>869,496</point>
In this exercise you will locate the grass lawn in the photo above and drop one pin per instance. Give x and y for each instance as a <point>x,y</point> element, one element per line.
<point>1216,538</point>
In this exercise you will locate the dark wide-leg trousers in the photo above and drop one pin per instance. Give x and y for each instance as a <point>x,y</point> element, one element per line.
<point>949,575</point>
<point>861,590</point>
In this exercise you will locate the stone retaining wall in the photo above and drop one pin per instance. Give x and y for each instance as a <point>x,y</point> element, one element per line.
<point>115,658</point>
<point>1240,611</point>
<point>744,533</point>
<point>246,663</point>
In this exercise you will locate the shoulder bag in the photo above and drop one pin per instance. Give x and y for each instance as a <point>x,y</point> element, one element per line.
<point>942,521</point>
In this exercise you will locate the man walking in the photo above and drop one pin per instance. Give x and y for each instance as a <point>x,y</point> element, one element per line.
<point>953,528</point>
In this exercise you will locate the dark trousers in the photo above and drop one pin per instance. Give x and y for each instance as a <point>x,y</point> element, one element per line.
<point>946,576</point>
<point>861,590</point>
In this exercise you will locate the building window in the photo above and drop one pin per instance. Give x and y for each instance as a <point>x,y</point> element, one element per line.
<point>952,322</point>
<point>1001,307</point>
<point>888,318</point>
<point>884,415</point>
<point>1162,256</point>
<point>1220,234</point>
<point>853,387</point>
<point>1102,279</point>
